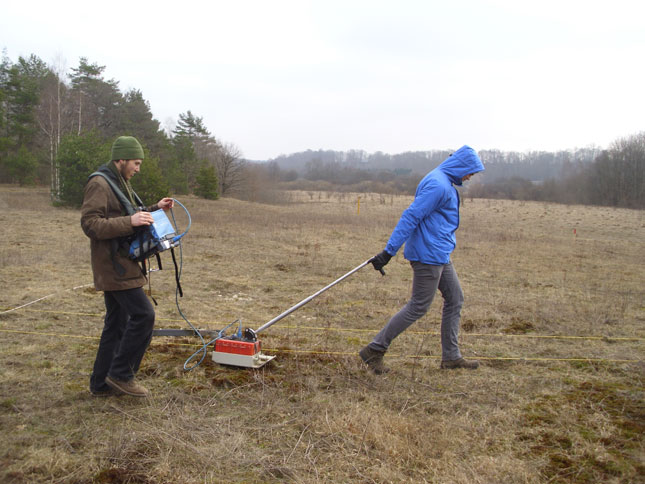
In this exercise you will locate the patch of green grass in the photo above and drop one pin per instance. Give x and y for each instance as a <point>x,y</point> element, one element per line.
<point>591,432</point>
<point>8,403</point>
<point>519,326</point>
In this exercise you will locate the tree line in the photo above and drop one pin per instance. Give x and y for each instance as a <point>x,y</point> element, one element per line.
<point>532,165</point>
<point>614,176</point>
<point>57,127</point>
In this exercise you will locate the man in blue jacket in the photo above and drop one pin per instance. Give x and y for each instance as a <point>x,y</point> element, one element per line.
<point>427,227</point>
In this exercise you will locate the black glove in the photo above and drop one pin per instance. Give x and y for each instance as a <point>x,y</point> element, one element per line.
<point>380,260</point>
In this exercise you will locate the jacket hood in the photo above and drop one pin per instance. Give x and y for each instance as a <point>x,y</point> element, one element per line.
<point>462,162</point>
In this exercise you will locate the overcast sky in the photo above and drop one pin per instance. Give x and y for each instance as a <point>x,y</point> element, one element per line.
<point>279,76</point>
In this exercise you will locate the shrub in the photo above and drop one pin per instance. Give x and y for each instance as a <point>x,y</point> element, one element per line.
<point>78,157</point>
<point>207,182</point>
<point>150,184</point>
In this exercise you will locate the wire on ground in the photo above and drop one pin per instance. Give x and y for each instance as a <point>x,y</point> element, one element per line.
<point>288,326</point>
<point>344,353</point>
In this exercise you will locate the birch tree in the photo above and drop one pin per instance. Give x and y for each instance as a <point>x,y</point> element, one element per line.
<point>52,112</point>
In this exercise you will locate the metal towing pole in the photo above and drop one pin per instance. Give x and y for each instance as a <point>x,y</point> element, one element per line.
<point>252,335</point>
<point>244,350</point>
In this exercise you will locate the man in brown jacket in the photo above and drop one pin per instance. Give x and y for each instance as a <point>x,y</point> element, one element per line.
<point>129,317</point>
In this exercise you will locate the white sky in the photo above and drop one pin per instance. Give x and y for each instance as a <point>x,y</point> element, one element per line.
<point>279,76</point>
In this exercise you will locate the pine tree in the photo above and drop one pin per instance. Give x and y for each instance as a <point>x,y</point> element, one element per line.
<point>189,133</point>
<point>207,182</point>
<point>21,85</point>
<point>190,126</point>
<point>78,157</point>
<point>97,101</point>
<point>149,183</point>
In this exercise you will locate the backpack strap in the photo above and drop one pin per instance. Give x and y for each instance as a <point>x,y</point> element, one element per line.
<point>125,203</point>
<point>174,260</point>
<point>114,247</point>
<point>115,244</point>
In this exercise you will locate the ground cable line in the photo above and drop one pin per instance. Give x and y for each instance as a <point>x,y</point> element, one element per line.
<point>204,344</point>
<point>347,353</point>
<point>313,328</point>
<point>289,326</point>
<point>490,358</point>
<point>497,335</point>
<point>44,297</point>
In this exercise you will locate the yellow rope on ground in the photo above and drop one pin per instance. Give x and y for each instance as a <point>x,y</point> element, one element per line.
<point>345,353</point>
<point>360,330</point>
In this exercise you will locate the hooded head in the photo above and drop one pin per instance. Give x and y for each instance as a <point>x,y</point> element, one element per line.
<point>462,162</point>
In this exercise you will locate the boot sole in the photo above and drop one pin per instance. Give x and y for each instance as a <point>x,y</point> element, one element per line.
<point>105,393</point>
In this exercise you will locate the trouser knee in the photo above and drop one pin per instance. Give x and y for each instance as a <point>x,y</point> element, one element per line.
<point>454,300</point>
<point>416,310</point>
<point>147,320</point>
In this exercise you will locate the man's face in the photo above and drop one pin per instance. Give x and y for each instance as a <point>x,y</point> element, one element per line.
<point>467,177</point>
<point>129,168</point>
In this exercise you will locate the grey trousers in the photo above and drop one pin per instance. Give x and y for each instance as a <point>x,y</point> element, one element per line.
<point>427,279</point>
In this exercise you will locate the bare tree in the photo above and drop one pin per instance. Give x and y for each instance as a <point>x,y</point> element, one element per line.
<point>227,160</point>
<point>230,169</point>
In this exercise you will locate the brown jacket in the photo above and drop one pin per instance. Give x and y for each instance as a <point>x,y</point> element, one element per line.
<point>102,220</point>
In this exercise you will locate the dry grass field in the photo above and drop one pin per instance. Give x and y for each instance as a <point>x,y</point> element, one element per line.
<point>555,311</point>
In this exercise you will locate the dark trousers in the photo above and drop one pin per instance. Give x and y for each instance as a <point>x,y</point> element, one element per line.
<point>127,332</point>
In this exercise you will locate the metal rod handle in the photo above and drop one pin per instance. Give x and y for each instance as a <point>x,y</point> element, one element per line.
<point>306,300</point>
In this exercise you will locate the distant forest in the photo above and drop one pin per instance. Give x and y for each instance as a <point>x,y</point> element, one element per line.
<point>57,127</point>
<point>536,166</point>
<point>614,176</point>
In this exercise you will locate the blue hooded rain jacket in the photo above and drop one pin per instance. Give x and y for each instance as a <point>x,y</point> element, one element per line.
<point>428,225</point>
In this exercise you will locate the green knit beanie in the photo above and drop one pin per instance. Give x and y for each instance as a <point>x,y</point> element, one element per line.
<point>126,148</point>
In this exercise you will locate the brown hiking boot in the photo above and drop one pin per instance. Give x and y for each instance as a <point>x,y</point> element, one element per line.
<point>374,360</point>
<point>131,387</point>
<point>460,363</point>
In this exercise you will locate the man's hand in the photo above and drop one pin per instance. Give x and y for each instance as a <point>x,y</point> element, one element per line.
<point>141,218</point>
<point>166,203</point>
<point>380,260</point>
